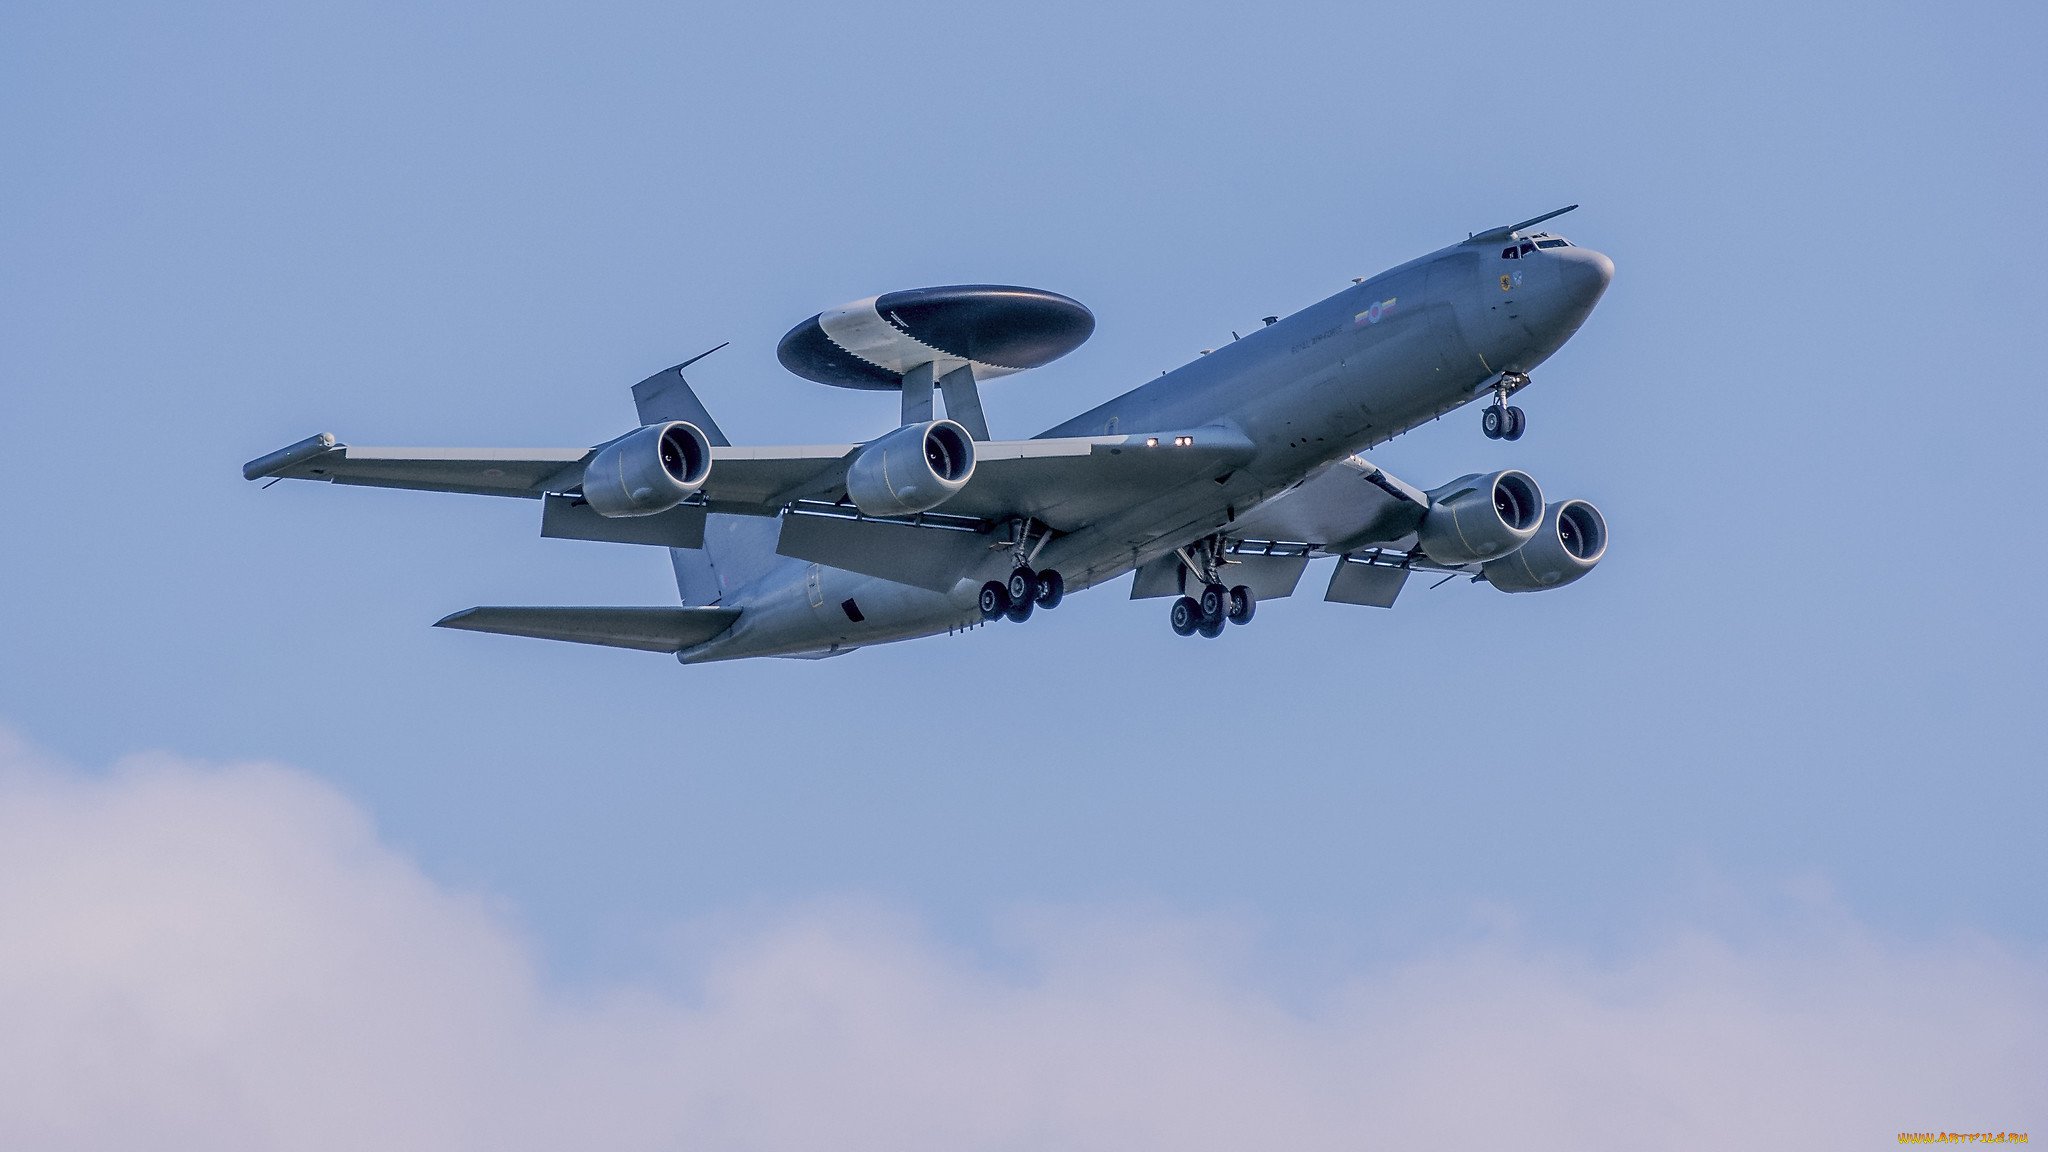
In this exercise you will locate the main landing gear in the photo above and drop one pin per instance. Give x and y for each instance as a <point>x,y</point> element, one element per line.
<point>1500,420</point>
<point>1217,604</point>
<point>1026,589</point>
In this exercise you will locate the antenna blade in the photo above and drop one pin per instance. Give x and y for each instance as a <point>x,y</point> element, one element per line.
<point>1493,234</point>
<point>701,355</point>
<point>1535,220</point>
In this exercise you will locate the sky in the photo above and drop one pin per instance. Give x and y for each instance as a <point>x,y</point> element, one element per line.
<point>1737,839</point>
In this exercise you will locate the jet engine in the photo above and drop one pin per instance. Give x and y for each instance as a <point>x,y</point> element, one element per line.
<point>1483,518</point>
<point>1570,541</point>
<point>914,469</point>
<point>648,471</point>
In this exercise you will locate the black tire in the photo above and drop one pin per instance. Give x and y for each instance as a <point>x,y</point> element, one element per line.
<point>1493,421</point>
<point>1211,628</point>
<point>1023,586</point>
<point>1215,601</point>
<point>1052,588</point>
<point>1242,605</point>
<point>1517,424</point>
<point>995,600</point>
<point>1020,611</point>
<point>1186,616</point>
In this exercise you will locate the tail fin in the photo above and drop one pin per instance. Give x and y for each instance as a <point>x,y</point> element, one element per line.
<point>737,549</point>
<point>667,396</point>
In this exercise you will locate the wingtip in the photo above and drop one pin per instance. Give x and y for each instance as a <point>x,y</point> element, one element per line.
<point>289,456</point>
<point>456,619</point>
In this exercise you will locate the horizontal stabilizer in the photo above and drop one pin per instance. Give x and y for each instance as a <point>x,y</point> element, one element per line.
<point>647,629</point>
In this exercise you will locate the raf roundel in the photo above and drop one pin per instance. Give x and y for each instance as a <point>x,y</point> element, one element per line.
<point>992,328</point>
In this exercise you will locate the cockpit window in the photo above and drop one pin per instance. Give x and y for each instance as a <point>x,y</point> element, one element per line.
<point>1553,243</point>
<point>1509,253</point>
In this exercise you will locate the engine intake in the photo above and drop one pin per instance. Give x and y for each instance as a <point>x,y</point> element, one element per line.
<point>1571,540</point>
<point>648,471</point>
<point>1483,518</point>
<point>914,469</point>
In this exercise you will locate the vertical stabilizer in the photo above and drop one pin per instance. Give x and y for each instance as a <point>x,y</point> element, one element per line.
<point>667,396</point>
<point>737,549</point>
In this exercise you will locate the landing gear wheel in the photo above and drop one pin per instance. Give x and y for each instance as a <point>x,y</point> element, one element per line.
<point>995,600</point>
<point>1517,424</point>
<point>1020,611</point>
<point>1186,616</point>
<point>1242,605</point>
<point>1215,601</point>
<point>1052,588</point>
<point>1023,586</point>
<point>1211,628</point>
<point>1493,421</point>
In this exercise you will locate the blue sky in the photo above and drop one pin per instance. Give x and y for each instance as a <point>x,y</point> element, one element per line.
<point>1808,674</point>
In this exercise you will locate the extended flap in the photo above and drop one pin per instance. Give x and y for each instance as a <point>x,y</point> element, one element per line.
<point>1373,585</point>
<point>934,558</point>
<point>569,518</point>
<point>1268,577</point>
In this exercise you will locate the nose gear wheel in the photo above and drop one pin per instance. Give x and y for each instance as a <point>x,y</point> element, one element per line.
<point>1501,420</point>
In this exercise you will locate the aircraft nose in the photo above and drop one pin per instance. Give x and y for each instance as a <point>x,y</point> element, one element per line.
<point>1585,273</point>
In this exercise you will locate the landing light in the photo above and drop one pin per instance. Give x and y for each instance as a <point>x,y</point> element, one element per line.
<point>1151,441</point>
<point>1183,441</point>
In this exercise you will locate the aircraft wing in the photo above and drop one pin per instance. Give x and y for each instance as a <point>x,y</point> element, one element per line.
<point>1352,509</point>
<point>1350,505</point>
<point>1066,482</point>
<point>528,472</point>
<point>750,480</point>
<point>1070,482</point>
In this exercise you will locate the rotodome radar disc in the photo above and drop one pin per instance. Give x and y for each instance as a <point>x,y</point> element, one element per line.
<point>996,329</point>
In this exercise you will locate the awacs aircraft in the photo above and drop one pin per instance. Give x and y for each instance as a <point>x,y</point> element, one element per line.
<point>1216,483</point>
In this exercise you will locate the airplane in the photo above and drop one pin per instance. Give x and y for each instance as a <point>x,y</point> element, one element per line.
<point>1216,483</point>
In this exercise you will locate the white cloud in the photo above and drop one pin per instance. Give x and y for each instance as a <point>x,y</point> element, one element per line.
<point>228,957</point>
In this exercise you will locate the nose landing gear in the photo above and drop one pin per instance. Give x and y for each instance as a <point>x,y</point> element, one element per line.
<point>1500,420</point>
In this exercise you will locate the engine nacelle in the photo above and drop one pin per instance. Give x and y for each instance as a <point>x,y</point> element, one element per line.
<point>914,469</point>
<point>649,471</point>
<point>1570,541</point>
<point>1485,518</point>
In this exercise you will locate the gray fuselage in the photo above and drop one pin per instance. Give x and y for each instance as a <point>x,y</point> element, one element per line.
<point>1333,379</point>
